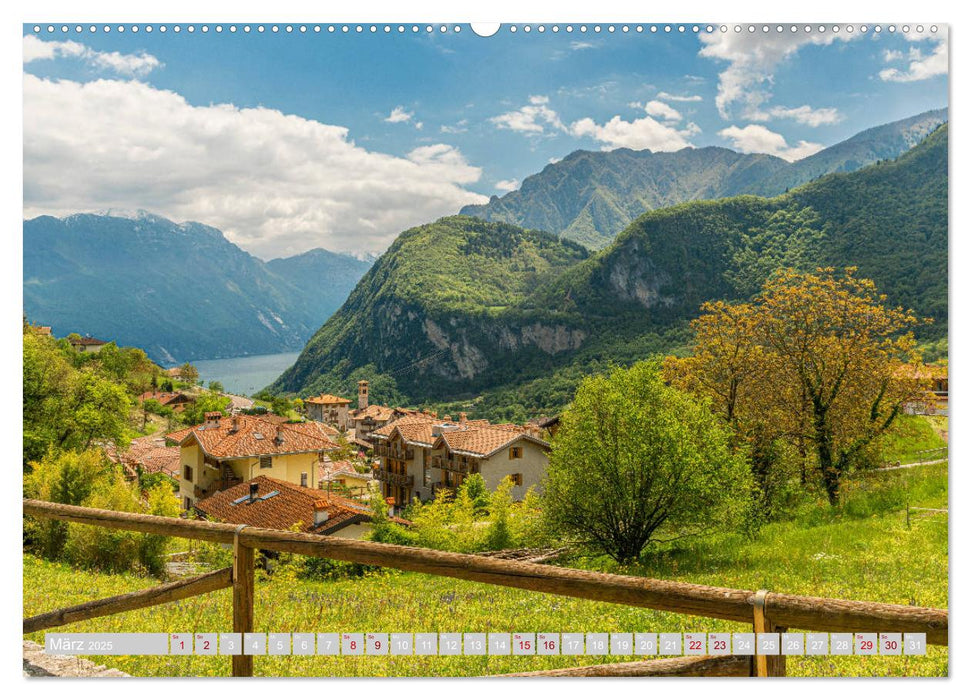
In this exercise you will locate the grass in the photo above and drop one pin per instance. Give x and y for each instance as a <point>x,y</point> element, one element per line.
<point>862,551</point>
<point>910,436</point>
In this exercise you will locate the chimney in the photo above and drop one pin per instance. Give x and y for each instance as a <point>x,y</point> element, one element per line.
<point>439,428</point>
<point>254,488</point>
<point>362,400</point>
<point>235,428</point>
<point>463,417</point>
<point>321,515</point>
<point>278,439</point>
<point>212,419</point>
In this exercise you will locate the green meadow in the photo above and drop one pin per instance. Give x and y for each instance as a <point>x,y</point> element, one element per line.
<point>865,550</point>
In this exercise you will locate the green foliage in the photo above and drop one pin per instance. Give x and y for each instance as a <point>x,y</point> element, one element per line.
<point>934,351</point>
<point>189,373</point>
<point>634,459</point>
<point>907,439</point>
<point>88,479</point>
<point>195,413</point>
<point>470,520</point>
<point>216,386</point>
<point>66,408</point>
<point>130,367</point>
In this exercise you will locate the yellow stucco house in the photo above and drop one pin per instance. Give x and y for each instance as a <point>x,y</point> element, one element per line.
<point>224,451</point>
<point>420,455</point>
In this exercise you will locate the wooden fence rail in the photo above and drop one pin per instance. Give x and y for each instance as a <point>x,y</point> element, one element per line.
<point>766,611</point>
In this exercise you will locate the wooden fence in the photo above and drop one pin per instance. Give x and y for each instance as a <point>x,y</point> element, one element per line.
<point>767,612</point>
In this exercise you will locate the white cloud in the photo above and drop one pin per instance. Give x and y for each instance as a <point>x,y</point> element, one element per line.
<point>128,64</point>
<point>921,66</point>
<point>638,134</point>
<point>460,127</point>
<point>646,132</point>
<point>581,45</point>
<point>752,59</point>
<point>276,184</point>
<point>755,138</point>
<point>532,118</point>
<point>678,98</point>
<point>807,115</point>
<point>663,111</point>
<point>399,115</point>
<point>507,185</point>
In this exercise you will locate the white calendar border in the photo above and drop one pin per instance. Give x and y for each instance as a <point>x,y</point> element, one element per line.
<point>448,11</point>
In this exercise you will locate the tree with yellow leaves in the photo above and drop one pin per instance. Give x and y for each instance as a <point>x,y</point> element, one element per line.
<point>817,359</point>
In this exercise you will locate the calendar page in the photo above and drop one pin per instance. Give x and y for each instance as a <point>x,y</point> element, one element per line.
<point>424,349</point>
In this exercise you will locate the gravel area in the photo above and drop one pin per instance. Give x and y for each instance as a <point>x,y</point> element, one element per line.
<point>39,664</point>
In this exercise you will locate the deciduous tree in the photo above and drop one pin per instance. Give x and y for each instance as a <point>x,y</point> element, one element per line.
<point>634,458</point>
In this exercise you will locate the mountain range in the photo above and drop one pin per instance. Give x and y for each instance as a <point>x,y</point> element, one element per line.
<point>464,307</point>
<point>590,196</point>
<point>489,303</point>
<point>179,291</point>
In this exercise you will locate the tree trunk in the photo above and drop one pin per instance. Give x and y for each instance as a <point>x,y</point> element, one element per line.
<point>824,450</point>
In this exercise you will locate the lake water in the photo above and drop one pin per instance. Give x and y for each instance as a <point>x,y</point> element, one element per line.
<point>245,375</point>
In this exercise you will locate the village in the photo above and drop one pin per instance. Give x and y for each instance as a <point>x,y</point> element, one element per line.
<point>315,473</point>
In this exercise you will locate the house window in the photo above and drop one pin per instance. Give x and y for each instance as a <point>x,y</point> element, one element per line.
<point>303,479</point>
<point>517,479</point>
<point>187,472</point>
<point>515,452</point>
<point>186,503</point>
<point>266,462</point>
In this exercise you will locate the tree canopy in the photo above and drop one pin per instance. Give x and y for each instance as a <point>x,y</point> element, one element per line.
<point>635,458</point>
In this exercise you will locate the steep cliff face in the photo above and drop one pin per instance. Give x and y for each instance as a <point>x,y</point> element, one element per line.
<point>443,310</point>
<point>464,307</point>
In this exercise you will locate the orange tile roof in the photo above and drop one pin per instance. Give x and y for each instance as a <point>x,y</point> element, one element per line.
<point>150,455</point>
<point>165,397</point>
<point>412,428</point>
<point>328,471</point>
<point>417,429</point>
<point>374,412</point>
<point>478,437</point>
<point>484,440</point>
<point>292,506</point>
<point>327,399</point>
<point>254,436</point>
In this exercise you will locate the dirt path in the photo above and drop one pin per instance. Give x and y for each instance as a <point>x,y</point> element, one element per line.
<point>909,466</point>
<point>38,664</point>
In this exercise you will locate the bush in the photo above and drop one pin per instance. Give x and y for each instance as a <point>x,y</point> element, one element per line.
<point>88,479</point>
<point>634,458</point>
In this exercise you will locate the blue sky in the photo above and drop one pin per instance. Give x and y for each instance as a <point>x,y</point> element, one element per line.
<point>293,141</point>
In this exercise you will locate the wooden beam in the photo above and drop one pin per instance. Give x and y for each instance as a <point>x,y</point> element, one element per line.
<point>679,666</point>
<point>766,666</point>
<point>166,593</point>
<point>243,596</point>
<point>136,522</point>
<point>800,612</point>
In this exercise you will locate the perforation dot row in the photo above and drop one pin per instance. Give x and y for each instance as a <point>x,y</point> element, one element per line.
<point>512,29</point>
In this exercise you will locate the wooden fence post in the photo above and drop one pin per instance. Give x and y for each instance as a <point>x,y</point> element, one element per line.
<point>243,595</point>
<point>766,666</point>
